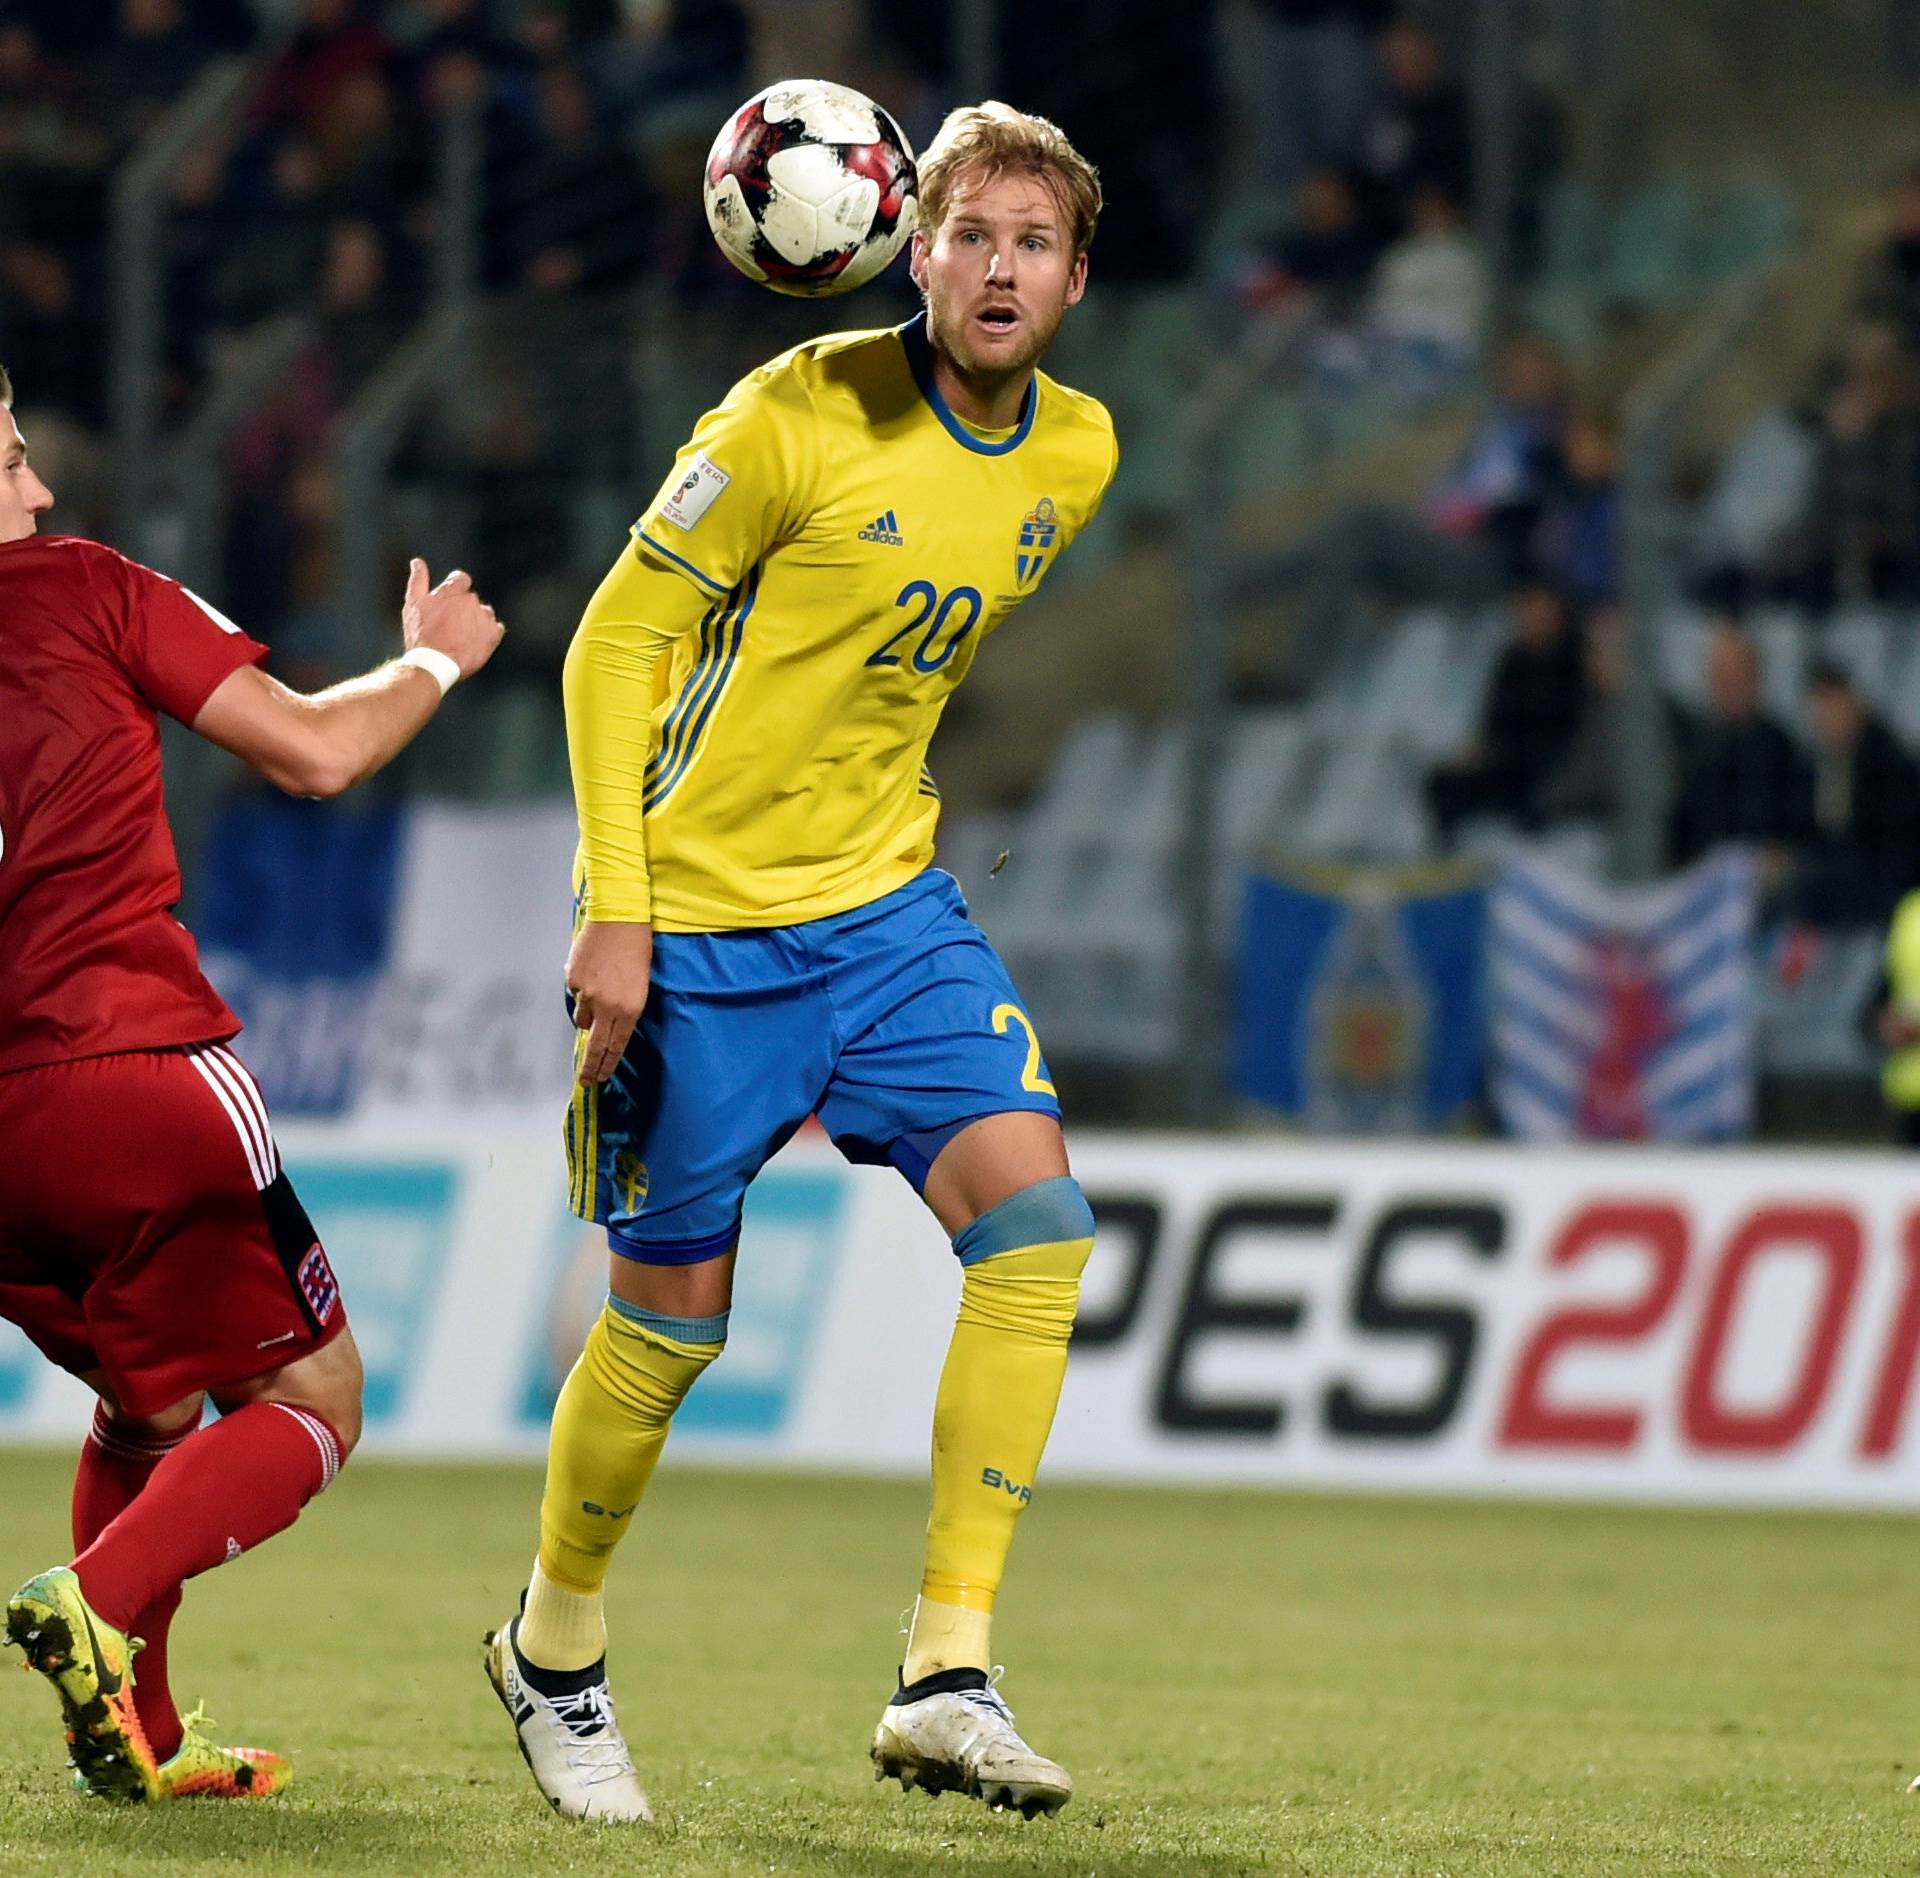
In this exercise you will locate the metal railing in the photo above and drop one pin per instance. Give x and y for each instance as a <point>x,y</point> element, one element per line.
<point>1655,410</point>
<point>368,436</point>
<point>195,470</point>
<point>1219,410</point>
<point>136,242</point>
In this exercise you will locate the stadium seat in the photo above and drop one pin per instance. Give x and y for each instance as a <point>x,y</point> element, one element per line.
<point>1563,301</point>
<point>1653,250</point>
<point>1749,224</point>
<point>1812,1025</point>
<point>1367,805</point>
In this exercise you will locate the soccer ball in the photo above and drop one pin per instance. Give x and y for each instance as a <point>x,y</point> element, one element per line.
<point>810,188</point>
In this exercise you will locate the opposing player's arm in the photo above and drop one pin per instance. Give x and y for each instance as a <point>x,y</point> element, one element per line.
<point>324,743</point>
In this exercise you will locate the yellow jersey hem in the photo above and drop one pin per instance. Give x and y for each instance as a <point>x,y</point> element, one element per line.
<point>693,916</point>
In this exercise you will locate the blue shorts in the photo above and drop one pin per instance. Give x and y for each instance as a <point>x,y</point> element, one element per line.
<point>895,1023</point>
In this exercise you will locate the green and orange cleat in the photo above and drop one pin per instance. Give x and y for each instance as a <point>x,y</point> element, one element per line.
<point>200,1769</point>
<point>90,1664</point>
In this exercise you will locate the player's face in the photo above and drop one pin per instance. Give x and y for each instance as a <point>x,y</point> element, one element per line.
<point>24,498</point>
<point>999,274</point>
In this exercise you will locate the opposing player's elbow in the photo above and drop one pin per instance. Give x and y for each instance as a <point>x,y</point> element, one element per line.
<point>309,766</point>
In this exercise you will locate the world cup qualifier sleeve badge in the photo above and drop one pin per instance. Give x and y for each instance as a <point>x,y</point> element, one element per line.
<point>1037,532</point>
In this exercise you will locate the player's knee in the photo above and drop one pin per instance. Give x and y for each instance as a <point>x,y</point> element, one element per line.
<point>163,1425</point>
<point>1021,1263</point>
<point>330,1384</point>
<point>647,1360</point>
<point>1046,1230</point>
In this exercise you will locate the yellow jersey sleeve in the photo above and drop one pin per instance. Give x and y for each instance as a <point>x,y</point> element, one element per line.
<point>743,482</point>
<point>607,685</point>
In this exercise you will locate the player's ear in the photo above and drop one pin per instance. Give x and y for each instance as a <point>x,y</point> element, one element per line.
<point>1077,279</point>
<point>917,258</point>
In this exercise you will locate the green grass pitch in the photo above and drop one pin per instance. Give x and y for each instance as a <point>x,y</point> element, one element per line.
<point>1240,1682</point>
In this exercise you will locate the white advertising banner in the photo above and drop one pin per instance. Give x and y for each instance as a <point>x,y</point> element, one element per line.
<point>1657,1325</point>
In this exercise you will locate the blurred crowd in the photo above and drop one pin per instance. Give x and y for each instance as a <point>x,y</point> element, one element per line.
<point>319,194</point>
<point>1367,137</point>
<point>1818,502</point>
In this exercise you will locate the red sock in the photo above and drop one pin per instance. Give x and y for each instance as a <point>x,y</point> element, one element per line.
<point>115,1464</point>
<point>218,1494</point>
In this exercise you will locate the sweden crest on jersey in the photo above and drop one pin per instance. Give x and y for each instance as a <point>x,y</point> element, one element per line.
<point>1037,531</point>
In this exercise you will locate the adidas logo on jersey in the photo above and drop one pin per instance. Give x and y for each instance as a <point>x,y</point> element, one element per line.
<point>885,530</point>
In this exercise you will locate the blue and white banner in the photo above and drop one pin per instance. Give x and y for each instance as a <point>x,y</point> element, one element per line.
<point>1358,1004</point>
<point>396,965</point>
<point>1622,1014</point>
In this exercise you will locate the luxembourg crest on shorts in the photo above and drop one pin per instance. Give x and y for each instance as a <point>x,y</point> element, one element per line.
<point>1037,534</point>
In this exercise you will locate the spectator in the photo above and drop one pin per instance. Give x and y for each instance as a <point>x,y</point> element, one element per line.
<point>1577,542</point>
<point>1864,529</point>
<point>1471,544</point>
<point>334,41</point>
<point>576,211</point>
<point>1583,785</point>
<point>1741,779</point>
<point>1891,290</point>
<point>1863,846</point>
<point>1328,253</point>
<point>1429,301</point>
<point>1533,707</point>
<point>274,248</point>
<point>369,165</point>
<point>1306,82</point>
<point>1749,534</point>
<point>160,48</point>
<point>688,49</point>
<point>1419,135</point>
<point>52,330</point>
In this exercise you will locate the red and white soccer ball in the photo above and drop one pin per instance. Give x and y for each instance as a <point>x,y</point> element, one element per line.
<point>811,188</point>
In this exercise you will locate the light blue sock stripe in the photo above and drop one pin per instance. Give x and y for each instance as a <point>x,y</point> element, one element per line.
<point>681,1329</point>
<point>1043,1214</point>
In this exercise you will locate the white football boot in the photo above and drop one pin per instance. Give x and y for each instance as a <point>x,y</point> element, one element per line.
<point>571,1741</point>
<point>953,1733</point>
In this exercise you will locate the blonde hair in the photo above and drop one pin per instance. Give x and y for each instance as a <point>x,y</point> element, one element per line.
<point>6,390</point>
<point>981,142</point>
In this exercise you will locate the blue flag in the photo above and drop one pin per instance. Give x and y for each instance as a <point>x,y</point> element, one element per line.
<point>1359,1000</point>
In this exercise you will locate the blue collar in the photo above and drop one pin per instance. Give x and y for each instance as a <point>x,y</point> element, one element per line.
<point>913,336</point>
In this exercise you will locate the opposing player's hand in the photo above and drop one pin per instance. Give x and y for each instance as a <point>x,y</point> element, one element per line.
<point>608,971</point>
<point>449,618</point>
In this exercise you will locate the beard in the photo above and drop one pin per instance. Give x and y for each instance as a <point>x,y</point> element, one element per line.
<point>948,329</point>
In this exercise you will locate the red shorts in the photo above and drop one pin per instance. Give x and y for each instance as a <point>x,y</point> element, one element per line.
<point>146,1227</point>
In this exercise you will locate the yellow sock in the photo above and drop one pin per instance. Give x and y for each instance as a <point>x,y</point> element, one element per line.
<point>561,1628</point>
<point>609,1426</point>
<point>998,1392</point>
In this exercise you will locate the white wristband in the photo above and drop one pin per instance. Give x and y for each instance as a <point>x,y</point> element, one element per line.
<point>444,672</point>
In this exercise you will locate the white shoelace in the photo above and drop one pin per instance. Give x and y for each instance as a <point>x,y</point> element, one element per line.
<point>992,1704</point>
<point>595,1750</point>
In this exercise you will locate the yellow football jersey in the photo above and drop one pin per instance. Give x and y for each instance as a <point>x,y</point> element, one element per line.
<point>856,543</point>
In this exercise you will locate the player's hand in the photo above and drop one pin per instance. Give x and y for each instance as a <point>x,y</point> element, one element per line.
<point>608,971</point>
<point>449,618</point>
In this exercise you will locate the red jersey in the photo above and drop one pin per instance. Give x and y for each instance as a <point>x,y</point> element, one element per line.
<point>91,646</point>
